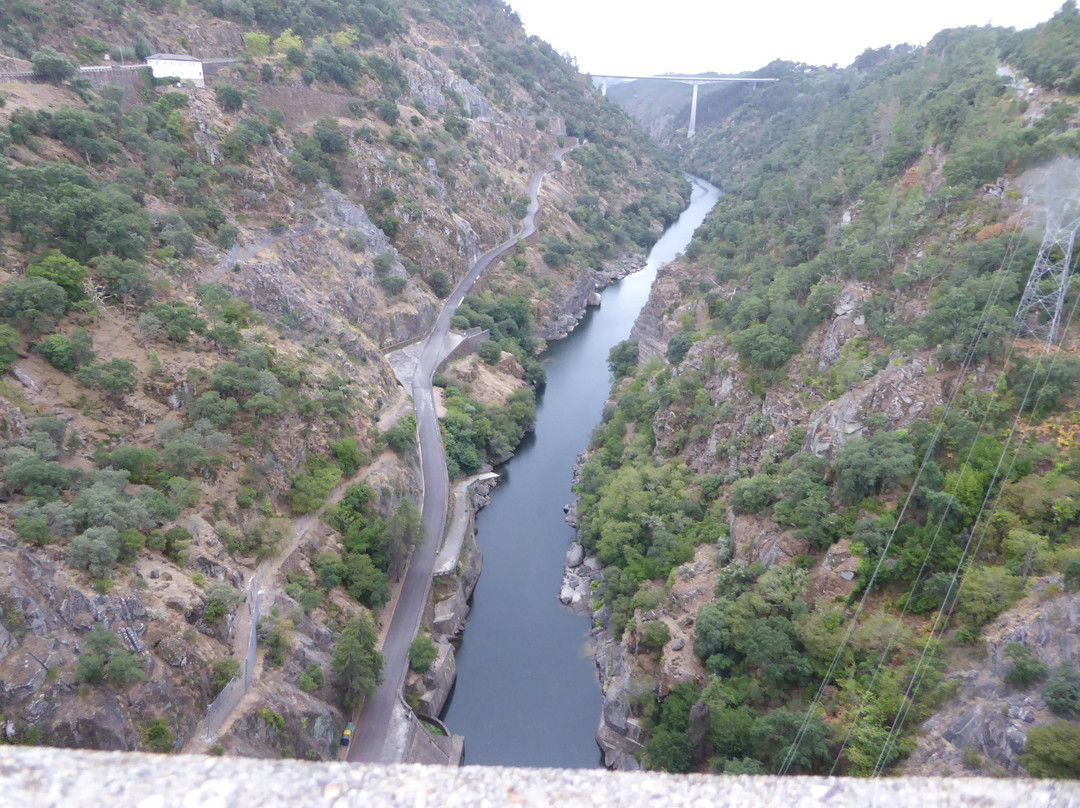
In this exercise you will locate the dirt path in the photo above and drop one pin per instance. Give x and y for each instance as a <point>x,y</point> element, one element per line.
<point>265,578</point>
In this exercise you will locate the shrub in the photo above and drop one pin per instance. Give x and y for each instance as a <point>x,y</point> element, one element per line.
<point>655,635</point>
<point>309,489</point>
<point>1062,691</point>
<point>124,668</point>
<point>65,272</point>
<point>440,283</point>
<point>422,653</point>
<point>678,346</point>
<point>57,352</point>
<point>347,455</point>
<point>32,303</point>
<point>53,66</point>
<point>1026,669</point>
<point>401,437</point>
<point>1053,751</point>
<point>384,262</point>
<point>753,494</point>
<point>490,352</point>
<point>355,240</point>
<point>158,736</point>
<point>223,599</point>
<point>114,377</point>
<point>222,672</point>
<point>91,669</point>
<point>229,96</point>
<point>312,678</point>
<point>393,284</point>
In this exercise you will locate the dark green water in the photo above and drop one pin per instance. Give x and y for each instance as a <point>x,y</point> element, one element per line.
<point>527,692</point>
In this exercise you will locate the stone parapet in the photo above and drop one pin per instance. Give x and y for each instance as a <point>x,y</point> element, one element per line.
<point>42,777</point>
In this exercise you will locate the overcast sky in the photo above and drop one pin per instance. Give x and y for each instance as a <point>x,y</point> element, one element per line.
<point>696,36</point>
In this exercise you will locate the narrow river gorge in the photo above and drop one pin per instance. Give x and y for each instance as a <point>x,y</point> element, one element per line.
<point>527,691</point>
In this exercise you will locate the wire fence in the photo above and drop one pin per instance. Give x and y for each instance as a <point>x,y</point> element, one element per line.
<point>227,700</point>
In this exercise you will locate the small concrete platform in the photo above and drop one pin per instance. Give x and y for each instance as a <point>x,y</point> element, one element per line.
<point>461,522</point>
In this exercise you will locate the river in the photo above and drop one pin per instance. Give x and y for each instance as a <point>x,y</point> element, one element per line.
<point>527,691</point>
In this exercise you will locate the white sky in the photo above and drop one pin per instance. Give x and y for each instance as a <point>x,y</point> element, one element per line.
<point>697,36</point>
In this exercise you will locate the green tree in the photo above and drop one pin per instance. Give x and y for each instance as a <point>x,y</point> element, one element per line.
<point>1053,751</point>
<point>229,96</point>
<point>1062,691</point>
<point>870,465</point>
<point>440,283</point>
<point>774,734</point>
<point>287,40</point>
<point>57,352</point>
<point>65,272</point>
<point>256,44</point>
<point>123,279</point>
<point>96,550</point>
<point>32,304</point>
<point>490,352</point>
<point>328,135</point>
<point>124,668</point>
<point>623,358</point>
<point>365,581</point>
<point>219,412</point>
<point>9,346</point>
<point>422,653</point>
<point>356,663</point>
<point>401,437</point>
<point>753,494</point>
<point>678,346</point>
<point>986,592</point>
<point>53,66</point>
<point>347,455</point>
<point>114,377</point>
<point>1026,669</point>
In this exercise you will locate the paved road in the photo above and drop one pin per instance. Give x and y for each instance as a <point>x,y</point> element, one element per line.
<point>373,723</point>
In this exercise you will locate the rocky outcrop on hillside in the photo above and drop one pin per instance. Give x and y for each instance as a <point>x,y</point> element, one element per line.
<point>47,612</point>
<point>989,717</point>
<point>566,307</point>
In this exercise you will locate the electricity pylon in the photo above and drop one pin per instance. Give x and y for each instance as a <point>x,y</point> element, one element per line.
<point>1039,314</point>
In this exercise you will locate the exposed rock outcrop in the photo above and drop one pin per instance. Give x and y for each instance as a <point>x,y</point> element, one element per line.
<point>987,715</point>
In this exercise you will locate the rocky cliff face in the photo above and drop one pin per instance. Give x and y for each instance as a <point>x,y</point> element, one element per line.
<point>989,717</point>
<point>45,613</point>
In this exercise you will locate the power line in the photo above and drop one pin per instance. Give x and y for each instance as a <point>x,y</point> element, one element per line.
<point>992,297</point>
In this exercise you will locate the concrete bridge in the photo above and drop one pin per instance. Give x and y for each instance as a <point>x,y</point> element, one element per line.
<point>694,81</point>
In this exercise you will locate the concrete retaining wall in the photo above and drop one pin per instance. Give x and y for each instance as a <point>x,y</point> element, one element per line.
<point>473,338</point>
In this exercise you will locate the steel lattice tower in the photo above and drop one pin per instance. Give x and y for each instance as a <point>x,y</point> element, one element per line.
<point>1039,313</point>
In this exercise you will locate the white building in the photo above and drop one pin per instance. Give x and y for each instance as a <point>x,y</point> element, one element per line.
<point>176,65</point>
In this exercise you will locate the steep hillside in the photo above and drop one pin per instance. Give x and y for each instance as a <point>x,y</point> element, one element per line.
<point>828,464</point>
<point>197,286</point>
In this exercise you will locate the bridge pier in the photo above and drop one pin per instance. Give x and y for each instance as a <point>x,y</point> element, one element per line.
<point>693,81</point>
<point>693,113</point>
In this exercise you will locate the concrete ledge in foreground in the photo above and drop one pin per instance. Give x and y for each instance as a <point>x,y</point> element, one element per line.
<point>37,777</point>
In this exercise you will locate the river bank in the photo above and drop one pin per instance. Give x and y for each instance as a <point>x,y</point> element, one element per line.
<point>527,691</point>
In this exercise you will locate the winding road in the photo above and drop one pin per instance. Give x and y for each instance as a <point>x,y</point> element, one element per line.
<point>369,743</point>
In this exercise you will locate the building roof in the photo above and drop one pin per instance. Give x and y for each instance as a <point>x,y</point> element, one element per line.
<point>171,57</point>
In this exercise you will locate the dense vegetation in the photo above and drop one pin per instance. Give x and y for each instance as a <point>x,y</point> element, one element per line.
<point>187,405</point>
<point>867,178</point>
